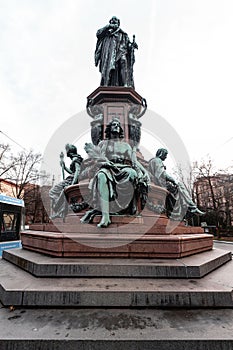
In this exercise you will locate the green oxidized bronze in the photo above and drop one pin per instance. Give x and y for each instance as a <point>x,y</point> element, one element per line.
<point>179,203</point>
<point>112,180</point>
<point>118,176</point>
<point>56,194</point>
<point>115,55</point>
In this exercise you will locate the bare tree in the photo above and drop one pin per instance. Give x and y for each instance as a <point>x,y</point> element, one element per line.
<point>203,192</point>
<point>6,161</point>
<point>213,191</point>
<point>35,206</point>
<point>24,171</point>
<point>186,176</point>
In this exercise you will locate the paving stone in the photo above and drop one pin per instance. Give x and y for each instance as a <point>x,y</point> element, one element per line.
<point>115,329</point>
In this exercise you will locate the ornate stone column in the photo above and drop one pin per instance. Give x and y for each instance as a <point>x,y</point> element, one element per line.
<point>123,103</point>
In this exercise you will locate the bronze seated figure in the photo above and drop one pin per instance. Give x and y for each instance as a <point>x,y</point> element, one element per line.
<point>116,177</point>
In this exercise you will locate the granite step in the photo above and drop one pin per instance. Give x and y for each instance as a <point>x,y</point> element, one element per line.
<point>195,266</point>
<point>20,288</point>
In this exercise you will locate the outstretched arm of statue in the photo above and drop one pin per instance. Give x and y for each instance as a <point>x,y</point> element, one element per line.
<point>64,167</point>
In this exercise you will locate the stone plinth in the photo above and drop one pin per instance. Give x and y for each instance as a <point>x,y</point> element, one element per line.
<point>68,245</point>
<point>80,192</point>
<point>21,288</point>
<point>127,237</point>
<point>40,265</point>
<point>105,94</point>
<point>123,103</point>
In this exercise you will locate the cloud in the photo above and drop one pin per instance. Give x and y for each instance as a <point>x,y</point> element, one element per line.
<point>183,66</point>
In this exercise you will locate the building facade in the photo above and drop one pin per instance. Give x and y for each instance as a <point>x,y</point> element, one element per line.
<point>214,195</point>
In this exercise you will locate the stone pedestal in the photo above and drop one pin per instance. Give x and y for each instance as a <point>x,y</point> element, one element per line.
<point>145,236</point>
<point>123,103</point>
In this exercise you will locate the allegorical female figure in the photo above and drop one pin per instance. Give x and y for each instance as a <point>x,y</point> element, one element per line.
<point>179,202</point>
<point>117,176</point>
<point>56,194</point>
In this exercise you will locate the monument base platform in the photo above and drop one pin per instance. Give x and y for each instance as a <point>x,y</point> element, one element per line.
<point>115,245</point>
<point>145,236</point>
<point>97,289</point>
<point>195,266</point>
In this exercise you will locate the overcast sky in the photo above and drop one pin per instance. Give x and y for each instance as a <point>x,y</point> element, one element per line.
<point>184,67</point>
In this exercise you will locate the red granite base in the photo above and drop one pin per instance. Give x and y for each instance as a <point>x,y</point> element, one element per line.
<point>147,237</point>
<point>68,245</point>
<point>121,224</point>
